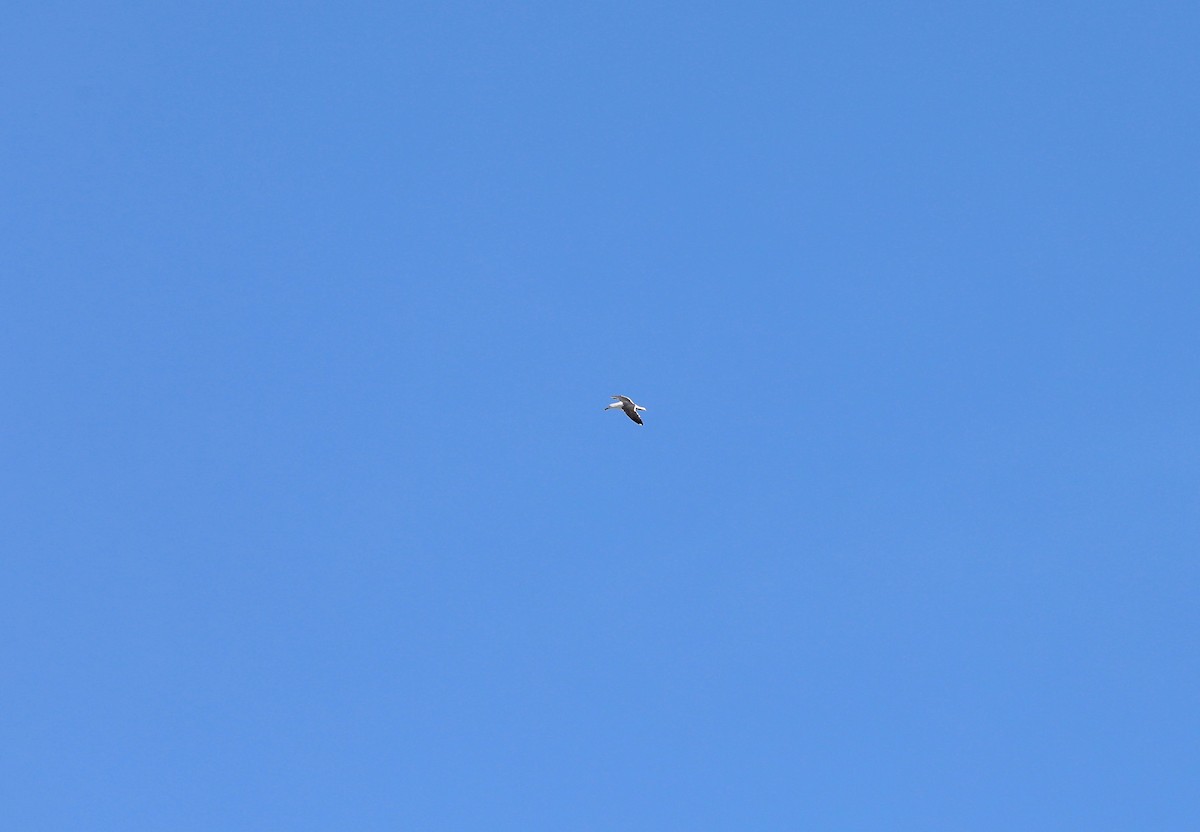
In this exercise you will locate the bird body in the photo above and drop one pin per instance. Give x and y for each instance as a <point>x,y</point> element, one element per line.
<point>627,404</point>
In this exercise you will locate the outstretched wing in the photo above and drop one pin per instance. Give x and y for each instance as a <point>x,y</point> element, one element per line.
<point>633,414</point>
<point>624,400</point>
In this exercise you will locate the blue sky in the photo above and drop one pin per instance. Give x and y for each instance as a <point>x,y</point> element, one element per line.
<point>312,516</point>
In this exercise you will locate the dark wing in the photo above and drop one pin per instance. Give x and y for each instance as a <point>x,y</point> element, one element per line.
<point>633,414</point>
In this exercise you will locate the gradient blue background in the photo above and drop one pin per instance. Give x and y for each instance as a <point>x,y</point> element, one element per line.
<point>312,519</point>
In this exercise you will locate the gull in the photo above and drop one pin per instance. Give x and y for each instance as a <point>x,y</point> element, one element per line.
<point>626,404</point>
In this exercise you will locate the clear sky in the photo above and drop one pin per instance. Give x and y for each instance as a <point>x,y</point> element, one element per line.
<point>312,518</point>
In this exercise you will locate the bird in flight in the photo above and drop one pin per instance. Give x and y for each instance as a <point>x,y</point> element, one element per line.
<point>626,404</point>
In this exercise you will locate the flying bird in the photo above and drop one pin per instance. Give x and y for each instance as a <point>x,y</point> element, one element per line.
<point>626,404</point>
